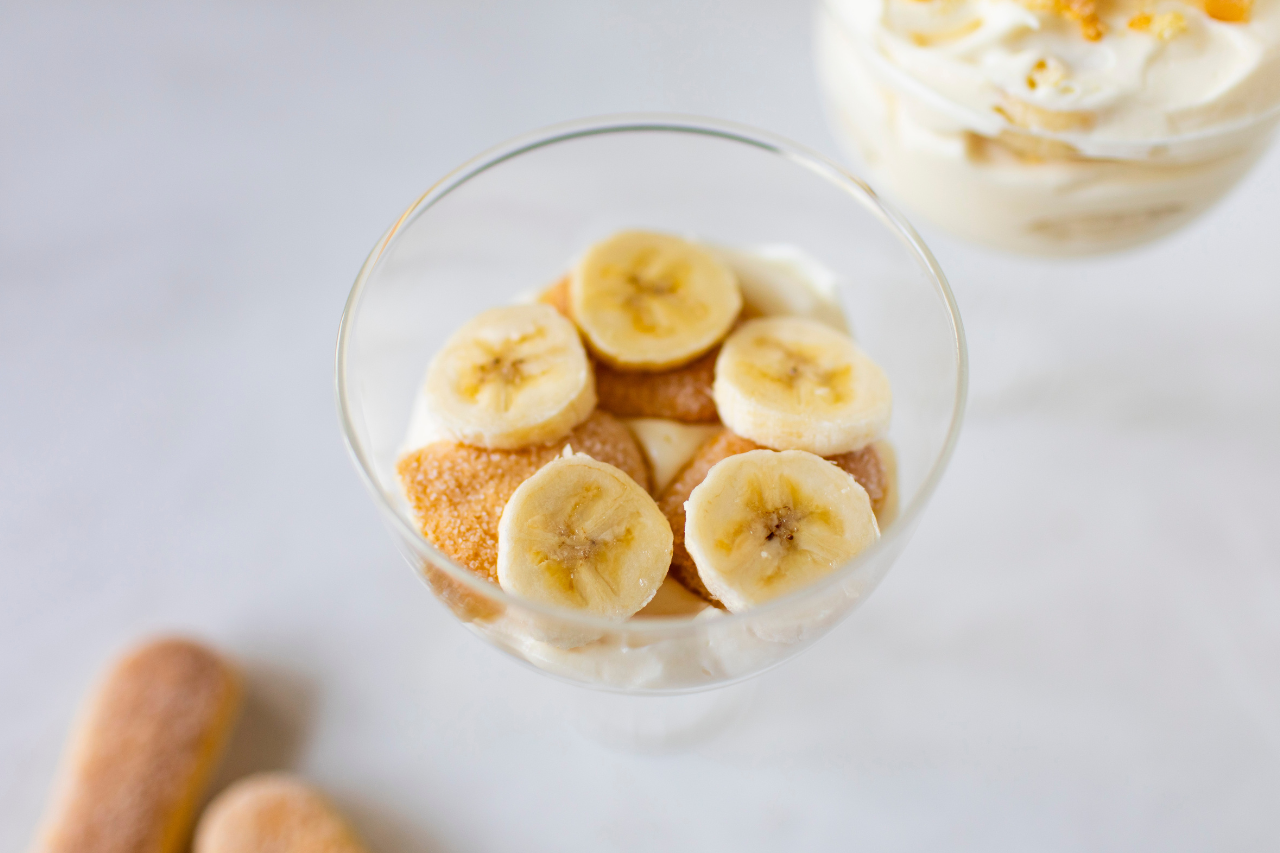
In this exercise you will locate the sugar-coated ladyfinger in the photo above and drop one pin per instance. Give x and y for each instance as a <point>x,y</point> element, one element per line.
<point>273,813</point>
<point>143,753</point>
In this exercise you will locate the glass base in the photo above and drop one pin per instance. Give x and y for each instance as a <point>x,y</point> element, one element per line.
<point>654,725</point>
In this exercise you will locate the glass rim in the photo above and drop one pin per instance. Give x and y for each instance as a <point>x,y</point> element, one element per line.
<point>652,123</point>
<point>1094,148</point>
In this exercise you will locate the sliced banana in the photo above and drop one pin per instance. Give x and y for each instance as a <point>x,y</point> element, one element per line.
<point>765,523</point>
<point>583,535</point>
<point>649,301</point>
<point>511,377</point>
<point>792,383</point>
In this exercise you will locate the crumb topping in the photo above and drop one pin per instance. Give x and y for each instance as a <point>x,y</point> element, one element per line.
<point>1046,74</point>
<point>1164,26</point>
<point>1082,12</point>
<point>1229,11</point>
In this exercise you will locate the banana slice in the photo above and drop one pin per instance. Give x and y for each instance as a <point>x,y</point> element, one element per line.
<point>583,535</point>
<point>792,383</point>
<point>765,523</point>
<point>650,301</point>
<point>511,377</point>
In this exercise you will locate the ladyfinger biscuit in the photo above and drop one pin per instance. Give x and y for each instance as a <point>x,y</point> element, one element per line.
<point>885,506</point>
<point>874,467</point>
<point>273,813</point>
<point>868,466</point>
<point>557,296</point>
<point>457,492</point>
<point>682,394</point>
<point>145,748</point>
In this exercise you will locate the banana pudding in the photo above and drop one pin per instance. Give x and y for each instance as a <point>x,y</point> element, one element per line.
<point>673,430</point>
<point>1053,126</point>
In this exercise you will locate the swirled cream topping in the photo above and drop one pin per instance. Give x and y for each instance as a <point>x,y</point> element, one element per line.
<point>1123,70</point>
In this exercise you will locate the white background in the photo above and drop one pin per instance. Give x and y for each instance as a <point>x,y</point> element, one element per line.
<point>1079,651</point>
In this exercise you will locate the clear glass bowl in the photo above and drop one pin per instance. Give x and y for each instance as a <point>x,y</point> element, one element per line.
<point>1029,191</point>
<point>509,222</point>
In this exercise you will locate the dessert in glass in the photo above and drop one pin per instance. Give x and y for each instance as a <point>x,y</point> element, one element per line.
<point>1055,127</point>
<point>550,376</point>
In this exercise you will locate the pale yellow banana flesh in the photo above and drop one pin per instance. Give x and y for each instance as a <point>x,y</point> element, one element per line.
<point>648,301</point>
<point>583,535</point>
<point>793,383</point>
<point>511,377</point>
<point>766,523</point>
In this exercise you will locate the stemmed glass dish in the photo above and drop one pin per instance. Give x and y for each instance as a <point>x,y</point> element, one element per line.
<point>1017,177</point>
<point>509,222</point>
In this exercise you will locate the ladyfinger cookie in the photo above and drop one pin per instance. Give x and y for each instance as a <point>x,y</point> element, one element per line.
<point>144,750</point>
<point>273,813</point>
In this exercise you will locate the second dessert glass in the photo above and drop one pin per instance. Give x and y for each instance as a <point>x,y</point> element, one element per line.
<point>509,222</point>
<point>1032,190</point>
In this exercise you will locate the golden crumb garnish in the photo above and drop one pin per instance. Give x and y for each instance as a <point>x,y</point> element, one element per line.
<point>1230,11</point>
<point>1083,12</point>
<point>1164,26</point>
<point>1046,74</point>
<point>1141,22</point>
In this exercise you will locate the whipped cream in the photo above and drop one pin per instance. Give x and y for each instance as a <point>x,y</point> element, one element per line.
<point>782,279</point>
<point>1132,85</point>
<point>776,279</point>
<point>1012,127</point>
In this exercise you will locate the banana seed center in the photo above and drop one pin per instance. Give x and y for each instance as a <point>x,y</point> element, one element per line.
<point>644,301</point>
<point>500,376</point>
<point>578,552</point>
<point>780,527</point>
<point>781,524</point>
<point>576,547</point>
<point>502,370</point>
<point>586,538</point>
<point>804,376</point>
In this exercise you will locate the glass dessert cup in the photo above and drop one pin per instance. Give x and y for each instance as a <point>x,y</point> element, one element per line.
<point>509,222</point>
<point>1023,189</point>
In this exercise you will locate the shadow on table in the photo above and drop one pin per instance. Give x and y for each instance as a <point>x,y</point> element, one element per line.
<point>273,724</point>
<point>385,831</point>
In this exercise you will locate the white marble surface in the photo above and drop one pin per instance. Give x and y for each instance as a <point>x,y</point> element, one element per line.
<point>1080,651</point>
